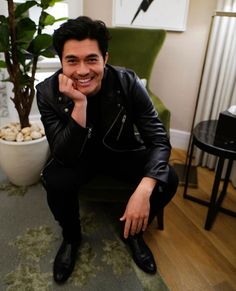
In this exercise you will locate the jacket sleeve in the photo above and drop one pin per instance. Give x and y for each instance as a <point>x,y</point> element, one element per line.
<point>66,138</point>
<point>152,132</point>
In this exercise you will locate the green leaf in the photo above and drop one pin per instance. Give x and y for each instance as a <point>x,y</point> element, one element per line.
<point>48,53</point>
<point>21,57</point>
<point>61,19</point>
<point>2,64</point>
<point>53,2</point>
<point>46,3</point>
<point>24,79</point>
<point>4,35</point>
<point>22,8</point>
<point>25,30</point>
<point>46,19</point>
<point>40,43</point>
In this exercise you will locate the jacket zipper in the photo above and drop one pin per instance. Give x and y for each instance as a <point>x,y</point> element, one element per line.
<point>87,137</point>
<point>121,127</point>
<point>89,132</point>
<point>108,131</point>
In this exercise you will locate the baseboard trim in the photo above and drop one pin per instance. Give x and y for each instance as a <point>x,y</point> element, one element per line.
<point>179,139</point>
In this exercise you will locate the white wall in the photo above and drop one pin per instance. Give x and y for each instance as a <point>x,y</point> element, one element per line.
<point>177,70</point>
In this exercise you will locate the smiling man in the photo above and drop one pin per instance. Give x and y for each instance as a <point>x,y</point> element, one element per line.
<point>83,70</point>
<point>100,118</point>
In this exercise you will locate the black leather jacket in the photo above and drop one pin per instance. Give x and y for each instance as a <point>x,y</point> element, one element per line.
<point>126,110</point>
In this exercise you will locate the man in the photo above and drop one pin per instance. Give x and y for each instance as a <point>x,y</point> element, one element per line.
<point>92,113</point>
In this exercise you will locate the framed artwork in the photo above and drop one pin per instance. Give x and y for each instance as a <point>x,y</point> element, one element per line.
<point>164,14</point>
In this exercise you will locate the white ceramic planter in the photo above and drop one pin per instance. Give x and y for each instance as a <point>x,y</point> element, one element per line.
<point>22,162</point>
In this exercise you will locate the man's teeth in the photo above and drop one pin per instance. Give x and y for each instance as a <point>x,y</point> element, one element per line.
<point>84,80</point>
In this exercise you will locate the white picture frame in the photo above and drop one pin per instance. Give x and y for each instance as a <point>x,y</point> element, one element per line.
<point>163,14</point>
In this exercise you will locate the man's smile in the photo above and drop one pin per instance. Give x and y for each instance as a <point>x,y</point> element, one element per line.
<point>83,81</point>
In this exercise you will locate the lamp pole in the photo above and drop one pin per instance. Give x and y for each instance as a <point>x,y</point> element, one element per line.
<point>181,168</point>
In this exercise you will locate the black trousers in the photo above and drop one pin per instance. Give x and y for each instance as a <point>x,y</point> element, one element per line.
<point>62,184</point>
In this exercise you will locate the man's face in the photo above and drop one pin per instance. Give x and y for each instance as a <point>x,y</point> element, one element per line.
<point>82,62</point>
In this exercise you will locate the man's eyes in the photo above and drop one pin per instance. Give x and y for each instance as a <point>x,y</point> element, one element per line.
<point>89,61</point>
<point>71,61</point>
<point>92,60</point>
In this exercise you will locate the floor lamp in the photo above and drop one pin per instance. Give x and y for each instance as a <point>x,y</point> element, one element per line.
<point>181,168</point>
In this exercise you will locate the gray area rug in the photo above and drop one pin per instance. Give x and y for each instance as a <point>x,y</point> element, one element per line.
<point>29,239</point>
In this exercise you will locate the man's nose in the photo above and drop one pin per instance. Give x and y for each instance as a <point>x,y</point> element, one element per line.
<point>82,68</point>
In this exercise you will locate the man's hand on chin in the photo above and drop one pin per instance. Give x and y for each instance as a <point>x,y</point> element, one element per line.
<point>68,87</point>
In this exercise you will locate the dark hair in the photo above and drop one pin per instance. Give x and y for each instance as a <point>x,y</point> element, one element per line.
<point>79,29</point>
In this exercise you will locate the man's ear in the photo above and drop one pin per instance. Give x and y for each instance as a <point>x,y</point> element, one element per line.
<point>106,58</point>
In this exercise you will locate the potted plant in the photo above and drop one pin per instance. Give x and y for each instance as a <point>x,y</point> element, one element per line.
<point>22,43</point>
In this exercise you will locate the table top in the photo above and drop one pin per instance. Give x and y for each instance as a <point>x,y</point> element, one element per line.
<point>204,138</point>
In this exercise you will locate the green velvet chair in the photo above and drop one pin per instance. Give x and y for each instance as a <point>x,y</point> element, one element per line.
<point>136,49</point>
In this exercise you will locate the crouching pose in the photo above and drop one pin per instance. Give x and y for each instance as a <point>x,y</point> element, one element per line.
<point>99,118</point>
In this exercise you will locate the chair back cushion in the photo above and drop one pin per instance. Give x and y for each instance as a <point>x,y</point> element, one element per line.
<point>135,48</point>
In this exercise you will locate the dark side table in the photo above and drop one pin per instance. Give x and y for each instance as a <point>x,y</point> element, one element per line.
<point>203,137</point>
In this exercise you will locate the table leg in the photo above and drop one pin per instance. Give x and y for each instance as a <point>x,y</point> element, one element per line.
<point>188,170</point>
<point>225,185</point>
<point>212,209</point>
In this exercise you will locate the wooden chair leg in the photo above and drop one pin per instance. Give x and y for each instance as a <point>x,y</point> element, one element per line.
<point>160,219</point>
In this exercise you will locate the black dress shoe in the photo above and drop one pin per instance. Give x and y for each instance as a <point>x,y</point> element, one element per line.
<point>65,261</point>
<point>142,255</point>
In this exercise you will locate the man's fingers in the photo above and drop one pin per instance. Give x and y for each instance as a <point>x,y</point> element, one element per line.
<point>65,83</point>
<point>127,228</point>
<point>123,216</point>
<point>140,225</point>
<point>134,226</point>
<point>145,224</point>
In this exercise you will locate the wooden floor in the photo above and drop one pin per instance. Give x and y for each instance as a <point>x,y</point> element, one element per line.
<point>188,256</point>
